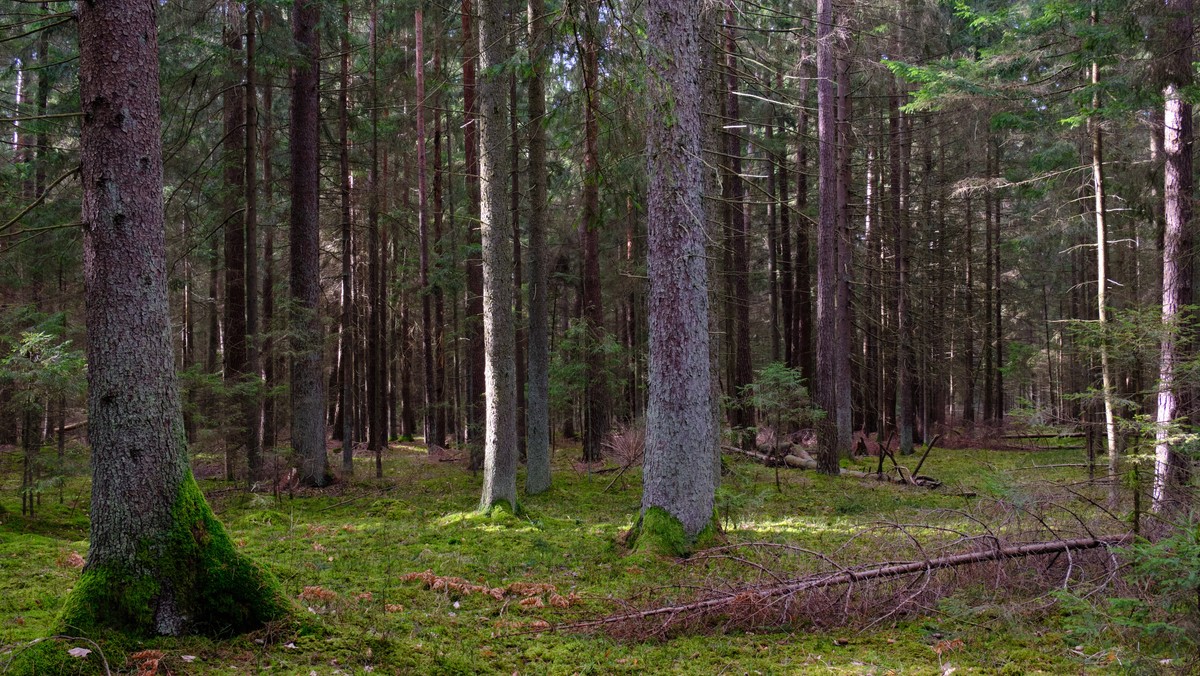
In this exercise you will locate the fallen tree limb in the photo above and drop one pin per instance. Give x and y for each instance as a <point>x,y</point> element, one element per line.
<point>846,576</point>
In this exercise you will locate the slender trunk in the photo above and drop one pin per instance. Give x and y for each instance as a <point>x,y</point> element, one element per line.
<point>346,338</point>
<point>268,283</point>
<point>537,411</point>
<point>845,332</point>
<point>474,310</point>
<point>1170,465</point>
<point>252,399</point>
<point>433,435</point>
<point>827,244</point>
<point>742,417</point>
<point>235,246</point>
<point>595,396</point>
<point>308,386</point>
<point>1110,423</point>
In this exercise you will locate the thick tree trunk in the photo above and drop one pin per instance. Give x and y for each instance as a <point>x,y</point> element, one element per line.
<point>500,383</point>
<point>308,349</point>
<point>159,561</point>
<point>678,480</point>
<point>537,411</point>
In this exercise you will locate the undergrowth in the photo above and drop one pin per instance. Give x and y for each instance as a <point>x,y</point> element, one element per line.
<point>402,575</point>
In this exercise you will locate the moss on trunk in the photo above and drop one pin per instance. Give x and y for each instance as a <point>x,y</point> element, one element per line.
<point>659,532</point>
<point>190,579</point>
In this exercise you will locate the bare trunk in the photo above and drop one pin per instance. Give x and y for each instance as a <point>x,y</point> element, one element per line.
<point>537,411</point>
<point>681,427</point>
<point>1170,465</point>
<point>308,385</point>
<point>827,244</point>
<point>500,383</point>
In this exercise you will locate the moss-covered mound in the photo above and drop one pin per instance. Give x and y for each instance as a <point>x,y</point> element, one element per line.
<point>192,580</point>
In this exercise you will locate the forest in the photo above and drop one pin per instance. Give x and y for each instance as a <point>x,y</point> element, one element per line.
<point>599,336</point>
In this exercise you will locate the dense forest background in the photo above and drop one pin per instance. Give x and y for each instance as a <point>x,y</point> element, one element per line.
<point>966,221</point>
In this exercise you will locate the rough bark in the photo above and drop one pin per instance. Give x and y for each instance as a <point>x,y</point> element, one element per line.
<point>474,311</point>
<point>346,339</point>
<point>678,480</point>
<point>159,561</point>
<point>252,397</point>
<point>595,422</point>
<point>827,244</point>
<point>434,437</point>
<point>234,172</point>
<point>307,343</point>
<point>500,382</point>
<point>537,410</point>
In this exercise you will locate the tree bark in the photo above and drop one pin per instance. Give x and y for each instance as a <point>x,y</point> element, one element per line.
<point>307,342</point>
<point>537,411</point>
<point>159,561</point>
<point>681,429</point>
<point>500,383</point>
<point>1171,466</point>
<point>827,244</point>
<point>235,245</point>
<point>595,425</point>
<point>474,310</point>
<point>346,338</point>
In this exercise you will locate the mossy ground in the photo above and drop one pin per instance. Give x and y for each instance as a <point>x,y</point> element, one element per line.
<point>354,542</point>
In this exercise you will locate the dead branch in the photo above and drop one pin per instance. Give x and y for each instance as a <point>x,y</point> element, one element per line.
<point>758,596</point>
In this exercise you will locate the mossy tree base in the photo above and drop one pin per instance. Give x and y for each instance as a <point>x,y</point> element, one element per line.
<point>657,531</point>
<point>191,580</point>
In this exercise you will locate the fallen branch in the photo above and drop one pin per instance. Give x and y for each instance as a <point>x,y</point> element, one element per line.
<point>770,593</point>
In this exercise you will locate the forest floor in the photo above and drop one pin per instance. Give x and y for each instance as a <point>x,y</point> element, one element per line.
<point>343,554</point>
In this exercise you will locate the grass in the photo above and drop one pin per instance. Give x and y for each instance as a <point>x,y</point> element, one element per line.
<point>341,555</point>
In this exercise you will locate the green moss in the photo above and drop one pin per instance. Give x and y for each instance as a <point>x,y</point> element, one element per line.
<point>214,587</point>
<point>659,532</point>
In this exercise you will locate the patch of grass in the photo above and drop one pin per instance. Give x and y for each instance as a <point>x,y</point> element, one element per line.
<point>340,555</point>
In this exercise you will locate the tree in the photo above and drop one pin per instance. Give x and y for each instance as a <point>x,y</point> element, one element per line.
<point>159,561</point>
<point>537,411</point>
<point>1170,466</point>
<point>827,242</point>
<point>499,333</point>
<point>308,385</point>
<point>679,479</point>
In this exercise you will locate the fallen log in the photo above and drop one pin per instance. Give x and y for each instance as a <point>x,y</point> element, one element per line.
<point>767,593</point>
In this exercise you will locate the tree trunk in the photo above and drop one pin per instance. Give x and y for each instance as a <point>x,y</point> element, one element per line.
<point>159,561</point>
<point>1171,466</point>
<point>500,383</point>
<point>252,398</point>
<point>235,245</point>
<point>827,244</point>
<point>308,349</point>
<point>537,411</point>
<point>346,339</point>
<point>474,311</point>
<point>678,480</point>
<point>595,409</point>
<point>434,437</point>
